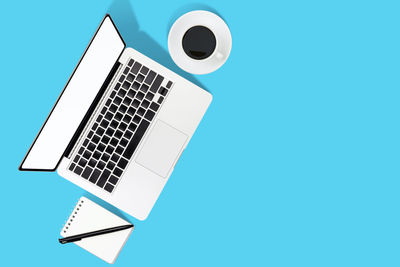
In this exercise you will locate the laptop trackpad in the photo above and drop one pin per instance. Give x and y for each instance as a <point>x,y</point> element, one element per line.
<point>161,149</point>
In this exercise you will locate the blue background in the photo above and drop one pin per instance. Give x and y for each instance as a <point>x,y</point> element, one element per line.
<point>296,162</point>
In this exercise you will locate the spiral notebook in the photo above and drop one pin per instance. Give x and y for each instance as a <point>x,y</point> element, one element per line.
<point>87,216</point>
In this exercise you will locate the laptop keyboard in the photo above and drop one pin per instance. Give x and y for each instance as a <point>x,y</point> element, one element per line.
<point>115,134</point>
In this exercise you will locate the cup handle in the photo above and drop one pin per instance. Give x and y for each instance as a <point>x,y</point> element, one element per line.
<point>219,55</point>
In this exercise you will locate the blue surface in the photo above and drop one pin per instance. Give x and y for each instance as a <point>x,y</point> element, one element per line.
<point>296,163</point>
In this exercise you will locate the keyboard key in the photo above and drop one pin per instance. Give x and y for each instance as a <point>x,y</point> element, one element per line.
<point>118,116</point>
<point>130,62</point>
<point>101,165</point>
<point>113,108</point>
<point>169,84</point>
<point>99,118</point>
<point>139,96</point>
<point>91,146</point>
<point>105,157</point>
<point>154,106</point>
<point>117,100</point>
<point>119,150</point>
<point>105,139</point>
<point>135,103</point>
<point>126,70</point>
<point>95,175</point>
<point>90,134</point>
<point>122,126</point>
<point>122,163</point>
<point>126,85</point>
<point>123,142</point>
<point>104,124</point>
<point>144,70</point>
<point>103,178</point>
<point>114,124</point>
<point>127,118</point>
<point>122,78</point>
<point>141,111</point>
<point>100,131</point>
<point>114,141</point>
<point>118,134</point>
<point>81,151</point>
<point>122,93</point>
<point>110,149</point>
<point>135,86</point>
<point>78,170</point>
<point>115,157</point>
<point>136,139</point>
<point>154,87</point>
<point>144,88</point>
<point>140,78</point>
<point>131,111</point>
<point>94,127</point>
<point>145,104</point>
<point>86,172</point>
<point>113,180</point>
<point>163,91</point>
<point>149,115</point>
<point>108,102</point>
<point>131,93</point>
<point>132,127</point>
<point>85,142</point>
<point>108,116</point>
<point>109,187</point>
<point>103,110</point>
<point>87,154</point>
<point>128,134</point>
<point>150,77</point>
<point>117,172</point>
<point>82,162</point>
<point>127,102</point>
<point>136,67</point>
<point>110,132</point>
<point>117,86</point>
<point>112,95</point>
<point>149,96</point>
<point>101,147</point>
<point>160,100</point>
<point>110,165</point>
<point>92,163</point>
<point>122,108</point>
<point>130,77</point>
<point>136,119</point>
<point>72,166</point>
<point>96,154</point>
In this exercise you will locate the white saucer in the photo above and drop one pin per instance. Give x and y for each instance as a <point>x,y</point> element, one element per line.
<point>222,36</point>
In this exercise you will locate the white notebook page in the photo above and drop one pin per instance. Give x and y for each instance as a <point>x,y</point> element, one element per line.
<point>87,216</point>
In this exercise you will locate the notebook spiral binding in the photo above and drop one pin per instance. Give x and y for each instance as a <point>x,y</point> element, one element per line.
<point>73,215</point>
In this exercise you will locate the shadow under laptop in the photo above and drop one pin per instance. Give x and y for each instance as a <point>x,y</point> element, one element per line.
<point>124,18</point>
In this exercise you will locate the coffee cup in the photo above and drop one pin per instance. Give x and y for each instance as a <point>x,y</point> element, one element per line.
<point>199,42</point>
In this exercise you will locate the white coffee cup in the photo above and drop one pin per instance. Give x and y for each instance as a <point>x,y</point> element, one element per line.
<point>223,42</point>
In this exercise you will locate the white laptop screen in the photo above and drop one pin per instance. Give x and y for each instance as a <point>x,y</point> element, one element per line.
<point>99,58</point>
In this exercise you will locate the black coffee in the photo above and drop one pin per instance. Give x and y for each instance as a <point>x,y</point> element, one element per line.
<point>199,42</point>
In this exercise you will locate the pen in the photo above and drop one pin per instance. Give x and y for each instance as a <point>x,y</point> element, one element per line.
<point>94,233</point>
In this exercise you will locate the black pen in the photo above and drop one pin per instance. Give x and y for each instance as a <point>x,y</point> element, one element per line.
<point>94,233</point>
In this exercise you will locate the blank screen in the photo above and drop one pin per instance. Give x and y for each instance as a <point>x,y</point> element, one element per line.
<point>82,88</point>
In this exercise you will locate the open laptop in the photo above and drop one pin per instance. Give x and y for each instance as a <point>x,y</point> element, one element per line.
<point>120,124</point>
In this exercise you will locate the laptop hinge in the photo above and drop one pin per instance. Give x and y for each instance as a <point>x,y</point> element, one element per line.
<point>92,108</point>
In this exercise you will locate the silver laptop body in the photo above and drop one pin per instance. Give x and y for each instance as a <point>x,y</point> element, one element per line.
<point>120,124</point>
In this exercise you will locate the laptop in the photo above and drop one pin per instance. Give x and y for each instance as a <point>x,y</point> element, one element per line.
<point>120,124</point>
